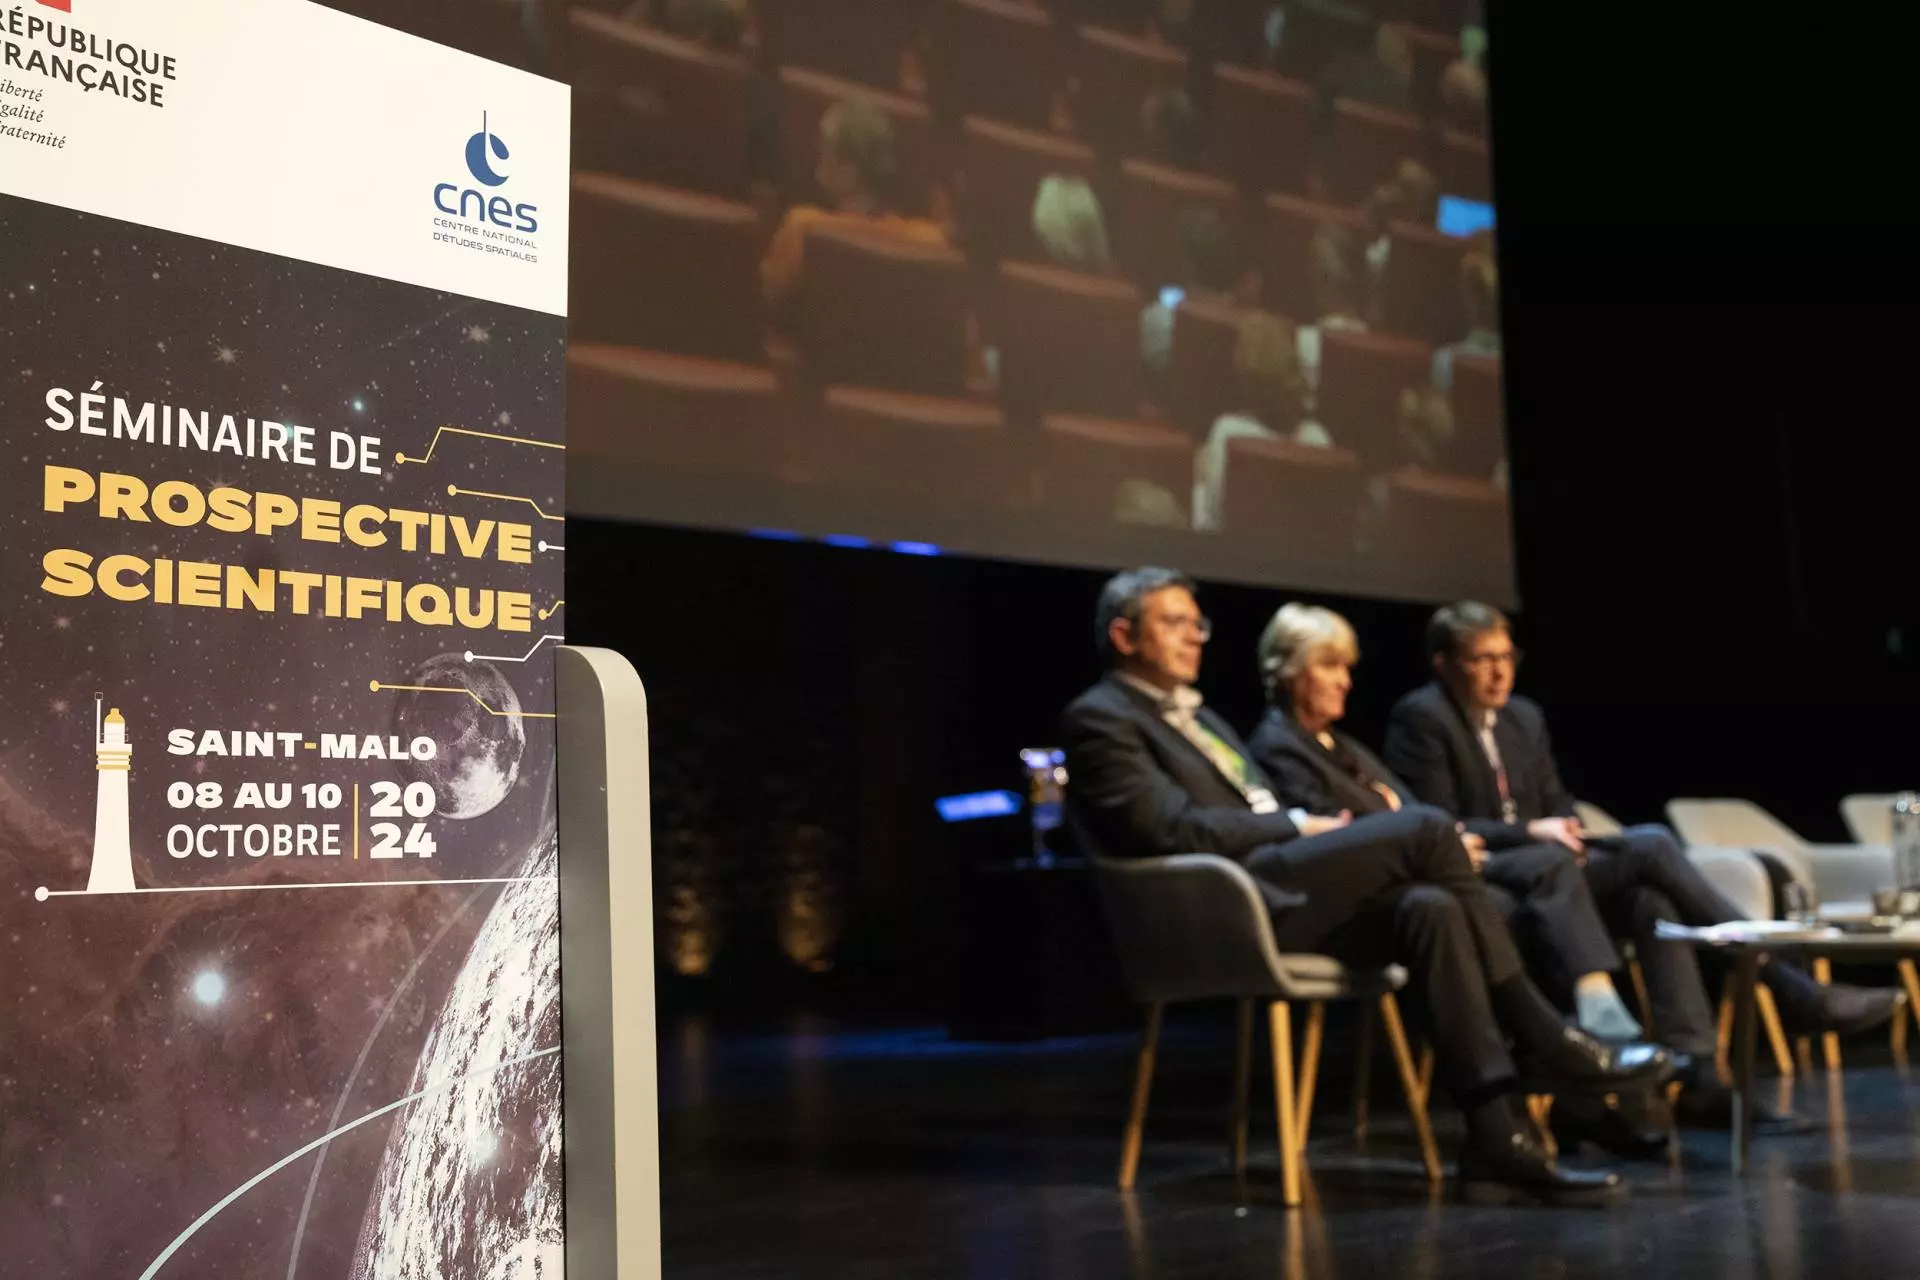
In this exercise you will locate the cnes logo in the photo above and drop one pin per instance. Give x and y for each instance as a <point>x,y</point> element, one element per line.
<point>486,154</point>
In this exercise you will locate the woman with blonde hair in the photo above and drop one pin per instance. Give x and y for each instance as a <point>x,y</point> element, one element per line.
<point>1306,655</point>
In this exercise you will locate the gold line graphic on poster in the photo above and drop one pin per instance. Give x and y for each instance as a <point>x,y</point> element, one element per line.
<point>455,491</point>
<point>377,686</point>
<point>401,459</point>
<point>551,609</point>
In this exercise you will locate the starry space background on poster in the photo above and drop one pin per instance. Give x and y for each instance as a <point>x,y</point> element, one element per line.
<point>156,1050</point>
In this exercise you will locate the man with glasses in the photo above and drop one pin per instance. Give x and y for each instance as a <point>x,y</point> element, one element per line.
<point>1152,772</point>
<point>1466,744</point>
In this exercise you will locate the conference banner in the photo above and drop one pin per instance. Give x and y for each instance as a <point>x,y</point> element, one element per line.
<point>282,463</point>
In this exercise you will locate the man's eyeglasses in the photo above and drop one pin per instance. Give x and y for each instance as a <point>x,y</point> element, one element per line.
<point>1200,625</point>
<point>1488,661</point>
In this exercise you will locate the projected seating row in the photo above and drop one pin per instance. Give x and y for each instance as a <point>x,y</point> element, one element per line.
<point>677,271</point>
<point>689,416</point>
<point>654,105</point>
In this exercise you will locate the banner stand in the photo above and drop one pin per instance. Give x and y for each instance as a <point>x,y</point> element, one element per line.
<point>610,1082</point>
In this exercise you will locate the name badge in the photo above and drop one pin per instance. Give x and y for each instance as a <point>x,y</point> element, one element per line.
<point>1261,800</point>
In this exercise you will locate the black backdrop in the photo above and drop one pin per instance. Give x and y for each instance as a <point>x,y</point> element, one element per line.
<point>1706,281</point>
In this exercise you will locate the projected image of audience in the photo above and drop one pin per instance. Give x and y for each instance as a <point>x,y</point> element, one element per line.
<point>1067,281</point>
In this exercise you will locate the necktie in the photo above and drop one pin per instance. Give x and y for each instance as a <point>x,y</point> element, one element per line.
<point>1181,711</point>
<point>1224,757</point>
<point>1508,811</point>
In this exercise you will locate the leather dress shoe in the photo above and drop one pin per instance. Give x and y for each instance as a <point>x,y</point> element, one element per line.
<point>1515,1168</point>
<point>1575,1121</point>
<point>1576,1061</point>
<point>1844,1010</point>
<point>1708,1104</point>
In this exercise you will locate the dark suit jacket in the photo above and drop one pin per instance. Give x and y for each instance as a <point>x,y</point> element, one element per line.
<point>1136,788</point>
<point>1430,744</point>
<point>1308,776</point>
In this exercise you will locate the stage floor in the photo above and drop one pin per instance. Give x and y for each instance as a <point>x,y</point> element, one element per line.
<point>829,1151</point>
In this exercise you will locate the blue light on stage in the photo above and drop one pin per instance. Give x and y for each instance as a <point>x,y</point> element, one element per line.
<point>850,541</point>
<point>979,804</point>
<point>1460,216</point>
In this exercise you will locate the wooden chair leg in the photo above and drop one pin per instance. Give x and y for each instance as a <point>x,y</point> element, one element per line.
<point>1363,1074</point>
<point>1910,979</point>
<point>1142,1086</point>
<point>1309,1070</point>
<point>1281,1024</point>
<point>1540,1111</point>
<point>1776,1034</point>
<point>1638,977</point>
<point>1242,1084</point>
<point>1410,1082</point>
<point>1829,1041</point>
<point>1723,1035</point>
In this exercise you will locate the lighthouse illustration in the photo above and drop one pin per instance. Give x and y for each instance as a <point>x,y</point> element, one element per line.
<point>112,846</point>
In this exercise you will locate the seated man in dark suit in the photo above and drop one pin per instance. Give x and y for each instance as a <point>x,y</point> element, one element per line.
<point>1306,658</point>
<point>1152,772</point>
<point>1466,744</point>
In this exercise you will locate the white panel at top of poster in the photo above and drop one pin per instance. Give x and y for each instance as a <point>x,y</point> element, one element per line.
<point>297,130</point>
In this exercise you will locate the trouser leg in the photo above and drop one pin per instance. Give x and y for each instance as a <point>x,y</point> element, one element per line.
<point>1345,869</point>
<point>1426,930</point>
<point>1559,921</point>
<point>1682,1016</point>
<point>1649,878</point>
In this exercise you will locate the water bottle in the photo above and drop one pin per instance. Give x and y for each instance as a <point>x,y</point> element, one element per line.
<point>1046,792</point>
<point>1906,840</point>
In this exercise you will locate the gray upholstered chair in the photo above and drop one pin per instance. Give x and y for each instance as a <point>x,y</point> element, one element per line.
<point>1195,927</point>
<point>1869,816</point>
<point>1741,878</point>
<point>1841,876</point>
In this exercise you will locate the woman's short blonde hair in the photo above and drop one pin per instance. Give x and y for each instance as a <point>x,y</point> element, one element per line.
<point>1069,225</point>
<point>1293,635</point>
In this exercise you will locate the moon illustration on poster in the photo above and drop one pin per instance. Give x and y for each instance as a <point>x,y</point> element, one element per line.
<point>480,737</point>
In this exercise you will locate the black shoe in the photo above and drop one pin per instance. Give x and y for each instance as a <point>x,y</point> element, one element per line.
<point>1843,1009</point>
<point>1708,1104</point>
<point>1576,1062</point>
<point>1578,1120</point>
<point>1515,1168</point>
